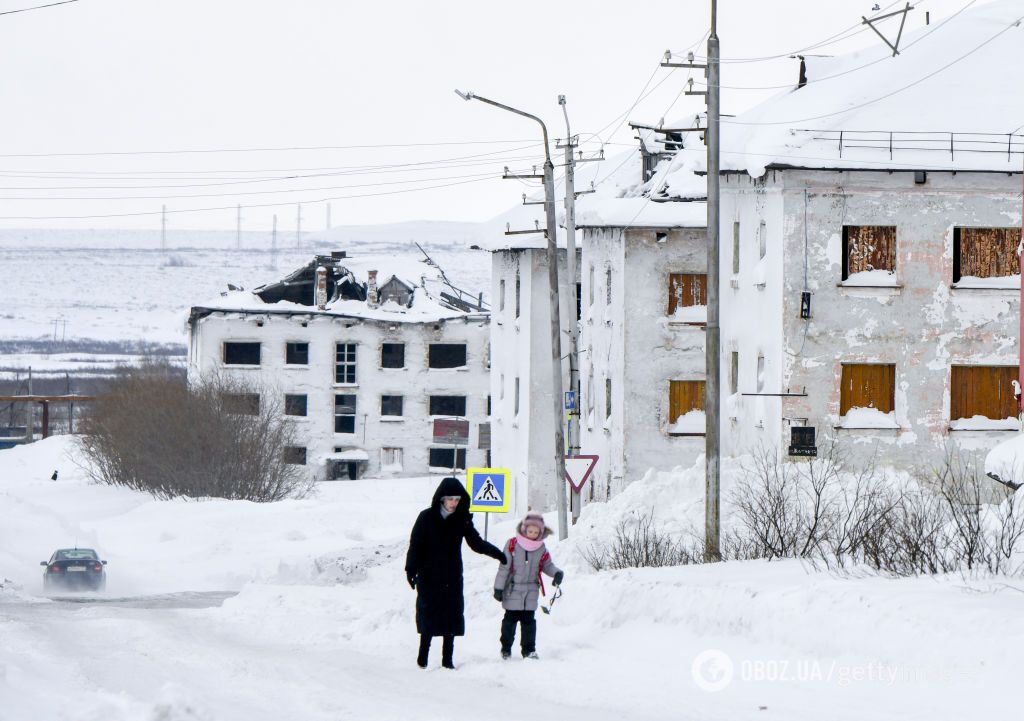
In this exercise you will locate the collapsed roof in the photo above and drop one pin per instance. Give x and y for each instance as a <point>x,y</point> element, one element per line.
<point>404,290</point>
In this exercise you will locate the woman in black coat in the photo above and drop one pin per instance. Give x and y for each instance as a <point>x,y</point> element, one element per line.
<point>434,567</point>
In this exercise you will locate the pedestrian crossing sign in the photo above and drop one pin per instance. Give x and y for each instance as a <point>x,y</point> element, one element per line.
<point>489,489</point>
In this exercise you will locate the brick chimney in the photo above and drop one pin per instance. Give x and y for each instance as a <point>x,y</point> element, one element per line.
<point>372,298</point>
<point>320,290</point>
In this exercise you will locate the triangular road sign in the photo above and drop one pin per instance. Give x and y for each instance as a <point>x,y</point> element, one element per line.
<point>578,470</point>
<point>487,492</point>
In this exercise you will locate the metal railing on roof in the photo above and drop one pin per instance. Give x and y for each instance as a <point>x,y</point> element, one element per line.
<point>891,141</point>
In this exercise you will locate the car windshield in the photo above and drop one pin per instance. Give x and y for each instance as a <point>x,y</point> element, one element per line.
<point>77,554</point>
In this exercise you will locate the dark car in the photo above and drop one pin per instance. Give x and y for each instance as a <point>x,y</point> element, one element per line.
<point>74,569</point>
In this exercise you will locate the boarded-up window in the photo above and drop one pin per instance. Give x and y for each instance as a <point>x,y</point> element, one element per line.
<point>867,386</point>
<point>982,391</point>
<point>985,252</point>
<point>686,290</point>
<point>868,247</point>
<point>683,397</point>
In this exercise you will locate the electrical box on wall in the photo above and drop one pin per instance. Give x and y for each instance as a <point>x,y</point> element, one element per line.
<point>805,304</point>
<point>801,441</point>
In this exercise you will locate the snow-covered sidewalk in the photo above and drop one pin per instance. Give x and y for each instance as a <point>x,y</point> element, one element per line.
<point>321,626</point>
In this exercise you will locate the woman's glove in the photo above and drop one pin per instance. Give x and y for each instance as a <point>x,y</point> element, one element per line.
<point>499,595</point>
<point>557,580</point>
<point>498,556</point>
<point>411,578</point>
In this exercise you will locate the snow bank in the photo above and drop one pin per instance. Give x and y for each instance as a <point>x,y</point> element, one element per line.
<point>322,627</point>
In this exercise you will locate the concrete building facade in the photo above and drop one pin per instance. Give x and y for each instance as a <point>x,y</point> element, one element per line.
<point>361,378</point>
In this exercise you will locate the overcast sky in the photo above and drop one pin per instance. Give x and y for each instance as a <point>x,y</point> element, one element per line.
<point>125,76</point>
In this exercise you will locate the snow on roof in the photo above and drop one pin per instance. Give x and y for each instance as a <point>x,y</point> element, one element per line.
<point>621,197</point>
<point>951,85</point>
<point>427,303</point>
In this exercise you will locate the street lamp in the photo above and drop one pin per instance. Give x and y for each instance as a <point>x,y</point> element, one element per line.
<point>556,324</point>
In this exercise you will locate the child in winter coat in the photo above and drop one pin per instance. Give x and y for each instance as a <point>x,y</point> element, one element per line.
<point>518,584</point>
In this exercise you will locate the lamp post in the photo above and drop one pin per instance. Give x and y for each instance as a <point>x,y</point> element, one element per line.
<point>558,476</point>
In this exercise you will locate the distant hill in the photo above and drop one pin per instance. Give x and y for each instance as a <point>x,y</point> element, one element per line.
<point>450,234</point>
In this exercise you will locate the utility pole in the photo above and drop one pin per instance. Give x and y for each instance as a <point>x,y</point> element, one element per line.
<point>298,225</point>
<point>574,328</point>
<point>273,244</point>
<point>163,228</point>
<point>328,216</point>
<point>238,228</point>
<point>558,478</point>
<point>712,338</point>
<point>712,550</point>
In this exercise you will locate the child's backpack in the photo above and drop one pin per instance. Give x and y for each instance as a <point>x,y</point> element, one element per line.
<point>540,567</point>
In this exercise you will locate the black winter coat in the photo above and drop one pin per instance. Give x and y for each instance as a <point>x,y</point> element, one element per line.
<point>435,559</point>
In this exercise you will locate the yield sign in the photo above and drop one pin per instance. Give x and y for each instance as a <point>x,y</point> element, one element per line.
<point>578,470</point>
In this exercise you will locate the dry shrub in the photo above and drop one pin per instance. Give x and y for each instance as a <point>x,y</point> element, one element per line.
<point>839,516</point>
<point>153,432</point>
<point>639,543</point>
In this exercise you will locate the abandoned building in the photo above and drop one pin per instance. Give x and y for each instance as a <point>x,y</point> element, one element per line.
<point>521,365</point>
<point>870,278</point>
<point>362,355</point>
<point>638,298</point>
<point>644,307</point>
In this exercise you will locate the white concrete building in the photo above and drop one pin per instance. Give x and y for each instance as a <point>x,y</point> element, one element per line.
<point>521,382</point>
<point>641,273</point>
<point>363,370</point>
<point>642,358</point>
<point>871,284</point>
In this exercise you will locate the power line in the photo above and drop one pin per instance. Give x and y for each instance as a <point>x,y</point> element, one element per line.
<point>932,74</point>
<point>231,182</point>
<point>37,7</point>
<point>249,192</point>
<point>851,70</point>
<point>234,207</point>
<point>201,151</point>
<point>845,34</point>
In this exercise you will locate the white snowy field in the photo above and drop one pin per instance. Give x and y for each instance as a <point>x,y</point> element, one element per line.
<point>221,610</point>
<point>75,291</point>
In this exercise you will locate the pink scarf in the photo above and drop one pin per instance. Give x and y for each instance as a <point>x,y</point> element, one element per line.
<point>528,544</point>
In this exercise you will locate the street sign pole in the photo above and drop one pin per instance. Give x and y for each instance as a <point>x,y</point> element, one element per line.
<point>577,471</point>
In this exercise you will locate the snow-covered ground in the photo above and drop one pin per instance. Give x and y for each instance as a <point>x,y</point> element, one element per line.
<point>299,610</point>
<point>75,291</point>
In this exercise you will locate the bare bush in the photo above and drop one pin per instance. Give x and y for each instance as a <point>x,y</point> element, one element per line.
<point>638,543</point>
<point>840,517</point>
<point>152,432</point>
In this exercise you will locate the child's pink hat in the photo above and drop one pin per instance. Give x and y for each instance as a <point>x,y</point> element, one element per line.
<point>533,519</point>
